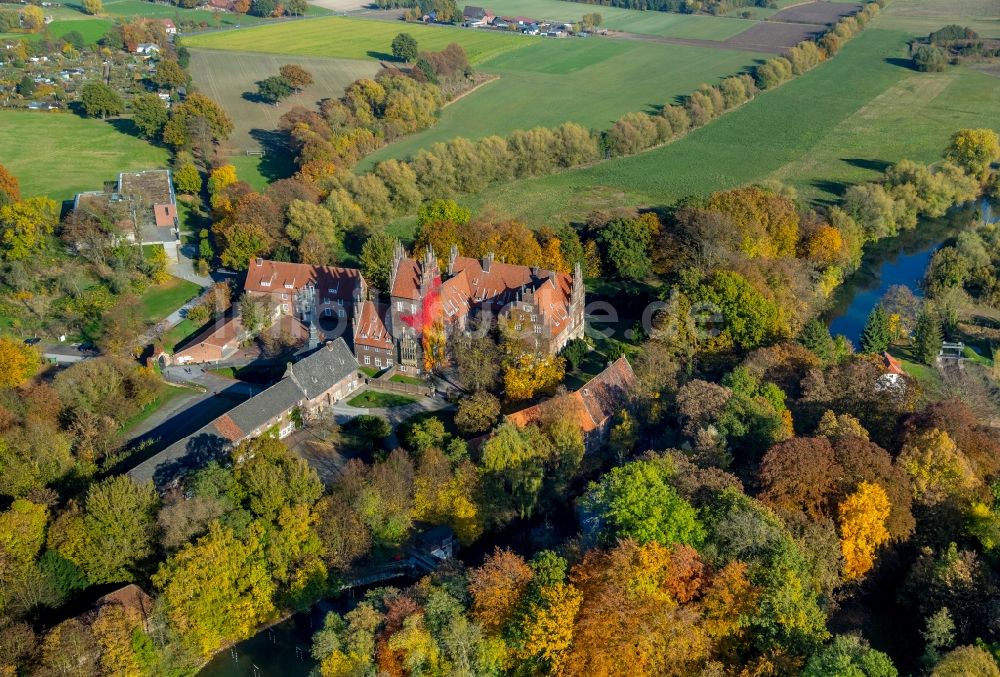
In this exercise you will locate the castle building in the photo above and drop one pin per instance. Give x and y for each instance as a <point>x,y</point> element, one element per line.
<point>546,307</point>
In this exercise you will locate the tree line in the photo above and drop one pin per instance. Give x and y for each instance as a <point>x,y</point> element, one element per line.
<point>460,166</point>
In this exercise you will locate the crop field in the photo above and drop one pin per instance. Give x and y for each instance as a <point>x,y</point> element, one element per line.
<point>347,38</point>
<point>60,154</point>
<point>854,114</point>
<point>821,13</point>
<point>667,24</point>
<point>228,76</point>
<point>593,82</point>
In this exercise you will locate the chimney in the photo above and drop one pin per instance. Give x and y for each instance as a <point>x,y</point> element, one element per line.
<point>452,255</point>
<point>487,262</point>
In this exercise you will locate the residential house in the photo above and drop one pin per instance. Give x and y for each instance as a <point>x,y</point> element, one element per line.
<point>220,5</point>
<point>477,16</point>
<point>149,214</point>
<point>218,342</point>
<point>169,26</point>
<point>593,406</point>
<point>147,48</point>
<point>309,388</point>
<point>546,307</point>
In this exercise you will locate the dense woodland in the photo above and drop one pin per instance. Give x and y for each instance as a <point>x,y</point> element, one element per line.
<point>765,503</point>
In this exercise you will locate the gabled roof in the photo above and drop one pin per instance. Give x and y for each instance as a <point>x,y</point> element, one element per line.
<point>595,403</point>
<point>322,369</point>
<point>307,379</point>
<point>278,276</point>
<point>473,12</point>
<point>371,330</point>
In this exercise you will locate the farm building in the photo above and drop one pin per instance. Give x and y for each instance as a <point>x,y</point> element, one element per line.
<point>309,387</point>
<point>477,16</point>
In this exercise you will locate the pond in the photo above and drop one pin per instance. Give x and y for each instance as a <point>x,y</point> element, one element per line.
<point>901,260</point>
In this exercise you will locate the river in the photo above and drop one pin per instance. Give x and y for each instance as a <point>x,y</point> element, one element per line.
<point>901,260</point>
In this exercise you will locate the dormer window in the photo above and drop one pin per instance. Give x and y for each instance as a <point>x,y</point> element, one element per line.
<point>265,283</point>
<point>289,285</point>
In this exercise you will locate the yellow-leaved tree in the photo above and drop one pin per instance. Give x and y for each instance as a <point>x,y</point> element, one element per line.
<point>18,362</point>
<point>527,374</point>
<point>937,467</point>
<point>548,625</point>
<point>862,517</point>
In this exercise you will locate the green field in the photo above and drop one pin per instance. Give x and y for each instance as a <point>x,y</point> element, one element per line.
<point>668,24</point>
<point>90,28</point>
<point>921,17</point>
<point>60,154</point>
<point>347,38</point>
<point>227,76</point>
<point>593,82</point>
<point>852,115</point>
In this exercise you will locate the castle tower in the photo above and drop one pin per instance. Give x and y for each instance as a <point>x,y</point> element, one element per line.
<point>398,254</point>
<point>429,271</point>
<point>577,301</point>
<point>452,257</point>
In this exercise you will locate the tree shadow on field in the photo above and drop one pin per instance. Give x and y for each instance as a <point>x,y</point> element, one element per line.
<point>125,126</point>
<point>901,62</point>
<point>381,56</point>
<point>277,162</point>
<point>837,188</point>
<point>867,163</point>
<point>255,97</point>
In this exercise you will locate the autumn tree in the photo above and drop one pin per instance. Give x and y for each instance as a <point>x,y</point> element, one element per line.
<point>235,590</point>
<point>974,150</point>
<point>296,75</point>
<point>25,227</point>
<point>169,74</point>
<point>18,362</point>
<point>197,122</point>
<point>800,473</point>
<point>10,190</point>
<point>967,661</point>
<point>937,467</point>
<point>862,518</point>
<point>526,374</point>
<point>497,588</point>
<point>768,223</point>
<point>149,113</point>
<point>477,413</point>
<point>93,7</point>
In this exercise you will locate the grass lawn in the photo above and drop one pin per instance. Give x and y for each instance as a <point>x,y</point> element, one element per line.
<point>355,39</point>
<point>921,17</point>
<point>373,399</point>
<point>668,24</point>
<point>162,299</point>
<point>593,82</point>
<point>852,115</point>
<point>167,394</point>
<point>177,334</point>
<point>61,154</point>
<point>412,380</point>
<point>228,76</point>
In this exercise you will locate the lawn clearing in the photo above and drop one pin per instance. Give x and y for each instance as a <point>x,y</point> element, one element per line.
<point>162,299</point>
<point>411,380</point>
<point>374,399</point>
<point>228,77</point>
<point>593,81</point>
<point>61,154</point>
<point>346,38</point>
<point>831,140</point>
<point>177,335</point>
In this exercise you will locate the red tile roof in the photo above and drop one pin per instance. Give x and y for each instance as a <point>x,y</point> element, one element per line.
<point>371,329</point>
<point>165,215</point>
<point>595,403</point>
<point>269,277</point>
<point>470,285</point>
<point>892,365</point>
<point>227,427</point>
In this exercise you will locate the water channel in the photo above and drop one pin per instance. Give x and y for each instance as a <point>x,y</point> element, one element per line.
<point>901,260</point>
